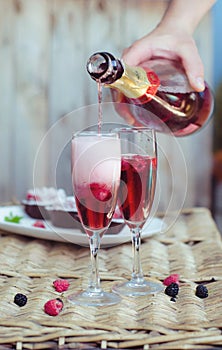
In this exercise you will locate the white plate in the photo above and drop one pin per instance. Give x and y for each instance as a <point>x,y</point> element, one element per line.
<point>25,227</point>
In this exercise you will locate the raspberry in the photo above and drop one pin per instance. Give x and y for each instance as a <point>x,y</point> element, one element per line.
<point>32,197</point>
<point>53,307</point>
<point>39,224</point>
<point>174,278</point>
<point>172,290</point>
<point>20,299</point>
<point>61,285</point>
<point>125,165</point>
<point>117,213</point>
<point>139,163</point>
<point>201,291</point>
<point>100,191</point>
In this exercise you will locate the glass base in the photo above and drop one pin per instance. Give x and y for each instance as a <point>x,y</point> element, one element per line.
<point>94,299</point>
<point>133,289</point>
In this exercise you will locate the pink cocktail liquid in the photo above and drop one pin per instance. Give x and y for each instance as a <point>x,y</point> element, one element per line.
<point>137,187</point>
<point>95,177</point>
<point>94,203</point>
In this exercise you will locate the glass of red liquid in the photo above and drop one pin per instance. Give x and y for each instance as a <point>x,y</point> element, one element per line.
<point>96,162</point>
<point>135,199</point>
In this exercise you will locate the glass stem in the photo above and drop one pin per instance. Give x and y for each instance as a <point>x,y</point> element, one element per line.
<point>137,274</point>
<point>94,283</point>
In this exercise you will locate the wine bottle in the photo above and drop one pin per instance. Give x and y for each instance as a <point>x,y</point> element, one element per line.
<point>160,86</point>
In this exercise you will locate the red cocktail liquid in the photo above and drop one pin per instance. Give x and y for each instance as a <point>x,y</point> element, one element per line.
<point>94,204</point>
<point>137,187</point>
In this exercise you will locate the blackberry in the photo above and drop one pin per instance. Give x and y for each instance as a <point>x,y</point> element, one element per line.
<point>201,291</point>
<point>20,299</point>
<point>172,290</point>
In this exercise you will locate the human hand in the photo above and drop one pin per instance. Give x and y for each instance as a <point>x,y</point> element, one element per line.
<point>178,45</point>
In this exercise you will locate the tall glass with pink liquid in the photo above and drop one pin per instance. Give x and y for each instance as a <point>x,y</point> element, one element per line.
<point>136,195</point>
<point>95,177</point>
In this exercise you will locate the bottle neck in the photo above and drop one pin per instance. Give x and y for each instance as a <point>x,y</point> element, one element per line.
<point>104,68</point>
<point>133,82</point>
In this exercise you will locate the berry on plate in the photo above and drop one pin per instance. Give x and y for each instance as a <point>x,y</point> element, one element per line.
<point>39,224</point>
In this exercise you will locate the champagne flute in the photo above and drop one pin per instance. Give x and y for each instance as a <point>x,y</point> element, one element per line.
<point>136,195</point>
<point>96,161</point>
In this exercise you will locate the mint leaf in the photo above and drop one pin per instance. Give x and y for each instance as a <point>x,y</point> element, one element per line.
<point>13,218</point>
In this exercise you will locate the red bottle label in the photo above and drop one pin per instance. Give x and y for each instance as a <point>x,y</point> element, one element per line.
<point>152,89</point>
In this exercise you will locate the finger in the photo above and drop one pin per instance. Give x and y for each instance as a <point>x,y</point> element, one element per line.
<point>136,53</point>
<point>193,66</point>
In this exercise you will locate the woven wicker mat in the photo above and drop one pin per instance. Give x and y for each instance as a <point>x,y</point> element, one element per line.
<point>192,248</point>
